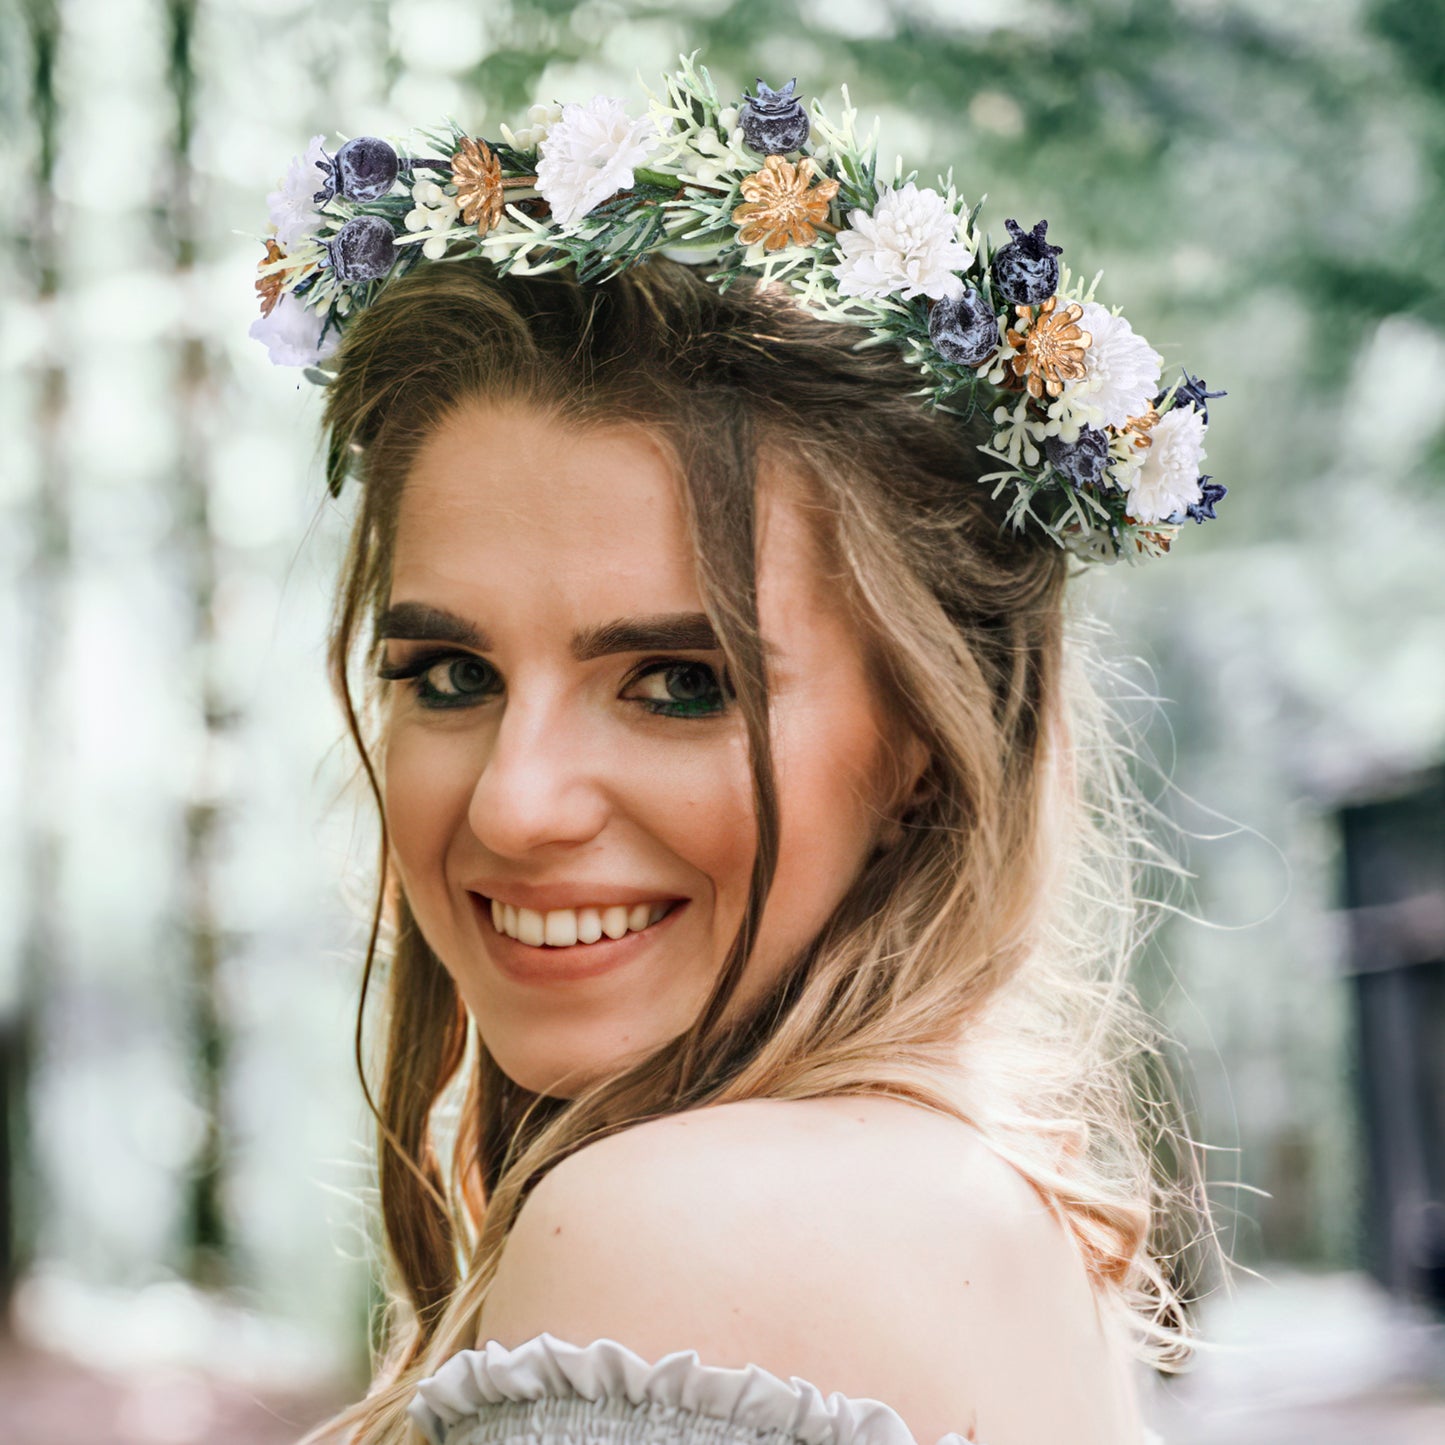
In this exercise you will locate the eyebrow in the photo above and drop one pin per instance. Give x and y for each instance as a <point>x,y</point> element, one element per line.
<point>665,631</point>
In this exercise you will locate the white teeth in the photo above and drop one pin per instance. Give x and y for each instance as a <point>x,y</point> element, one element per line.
<point>589,925</point>
<point>566,927</point>
<point>529,926</point>
<point>560,929</point>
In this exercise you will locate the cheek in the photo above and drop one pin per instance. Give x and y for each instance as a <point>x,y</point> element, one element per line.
<point>426,784</point>
<point>706,814</point>
<point>829,762</point>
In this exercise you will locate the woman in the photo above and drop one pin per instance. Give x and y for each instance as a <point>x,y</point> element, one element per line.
<point>758,866</point>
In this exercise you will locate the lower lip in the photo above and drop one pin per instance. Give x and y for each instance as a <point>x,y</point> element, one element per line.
<point>545,965</point>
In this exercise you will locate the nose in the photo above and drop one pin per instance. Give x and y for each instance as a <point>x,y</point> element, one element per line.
<point>540,784</point>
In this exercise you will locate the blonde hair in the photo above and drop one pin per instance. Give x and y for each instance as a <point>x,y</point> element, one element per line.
<point>979,967</point>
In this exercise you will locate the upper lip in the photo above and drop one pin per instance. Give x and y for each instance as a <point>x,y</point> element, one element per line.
<point>544,897</point>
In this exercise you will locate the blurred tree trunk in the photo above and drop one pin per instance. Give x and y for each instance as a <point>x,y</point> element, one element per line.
<point>44,586</point>
<point>206,1243</point>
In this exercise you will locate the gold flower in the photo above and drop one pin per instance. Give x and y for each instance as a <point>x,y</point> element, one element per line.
<point>1050,347</point>
<point>780,208</point>
<point>270,286</point>
<point>478,176</point>
<point>1141,426</point>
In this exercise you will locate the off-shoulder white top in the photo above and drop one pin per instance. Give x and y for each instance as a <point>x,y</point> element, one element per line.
<point>549,1392</point>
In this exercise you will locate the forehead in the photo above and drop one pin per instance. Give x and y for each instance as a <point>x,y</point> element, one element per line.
<point>507,504</point>
<point>497,470</point>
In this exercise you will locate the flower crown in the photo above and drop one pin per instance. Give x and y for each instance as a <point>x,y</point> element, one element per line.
<point>1099,454</point>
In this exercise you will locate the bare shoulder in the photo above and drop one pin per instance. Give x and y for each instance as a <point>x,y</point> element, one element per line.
<point>865,1245</point>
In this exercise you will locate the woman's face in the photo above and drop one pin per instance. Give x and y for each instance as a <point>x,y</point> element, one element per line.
<point>564,761</point>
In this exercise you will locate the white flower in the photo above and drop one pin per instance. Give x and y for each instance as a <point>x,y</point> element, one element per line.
<point>589,155</point>
<point>1125,459</point>
<point>1168,478</point>
<point>292,334</point>
<point>909,245</point>
<point>1017,433</point>
<point>293,204</point>
<point>543,118</point>
<point>1121,375</point>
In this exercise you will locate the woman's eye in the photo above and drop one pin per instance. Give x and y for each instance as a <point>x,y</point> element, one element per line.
<point>680,689</point>
<point>451,680</point>
<point>459,679</point>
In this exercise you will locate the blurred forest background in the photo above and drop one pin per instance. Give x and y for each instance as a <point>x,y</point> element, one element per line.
<point>185,1152</point>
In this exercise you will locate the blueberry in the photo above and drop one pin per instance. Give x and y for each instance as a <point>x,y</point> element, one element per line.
<point>1026,271</point>
<point>364,169</point>
<point>964,328</point>
<point>1083,462</point>
<point>773,122</point>
<point>364,249</point>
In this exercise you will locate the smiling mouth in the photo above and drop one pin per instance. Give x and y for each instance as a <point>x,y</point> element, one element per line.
<point>573,927</point>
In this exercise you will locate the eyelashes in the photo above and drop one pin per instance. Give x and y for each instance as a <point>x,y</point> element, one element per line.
<point>692,689</point>
<point>418,670</point>
<point>680,687</point>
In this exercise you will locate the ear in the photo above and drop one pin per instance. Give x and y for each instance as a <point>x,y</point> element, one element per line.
<point>913,788</point>
<point>916,758</point>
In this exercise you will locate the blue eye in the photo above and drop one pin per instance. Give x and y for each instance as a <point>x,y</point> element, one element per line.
<point>465,679</point>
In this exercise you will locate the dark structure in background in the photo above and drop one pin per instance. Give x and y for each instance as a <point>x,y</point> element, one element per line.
<point>1394,887</point>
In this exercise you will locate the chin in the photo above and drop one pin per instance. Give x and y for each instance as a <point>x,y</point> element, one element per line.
<point>558,1074</point>
<point>552,1045</point>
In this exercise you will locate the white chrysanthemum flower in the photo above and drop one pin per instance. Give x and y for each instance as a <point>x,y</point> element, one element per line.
<point>1168,477</point>
<point>542,117</point>
<point>292,205</point>
<point>292,334</point>
<point>908,246</point>
<point>1121,376</point>
<point>589,154</point>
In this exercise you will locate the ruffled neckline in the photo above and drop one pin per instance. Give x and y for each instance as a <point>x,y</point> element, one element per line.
<point>545,1366</point>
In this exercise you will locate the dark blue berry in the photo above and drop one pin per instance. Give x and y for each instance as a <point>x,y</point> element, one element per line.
<point>1195,392</point>
<point>1209,494</point>
<point>964,328</point>
<point>364,249</point>
<point>773,121</point>
<point>1026,271</point>
<point>1084,461</point>
<point>364,169</point>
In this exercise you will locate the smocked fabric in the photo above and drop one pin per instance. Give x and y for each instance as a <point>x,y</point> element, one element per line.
<point>549,1392</point>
